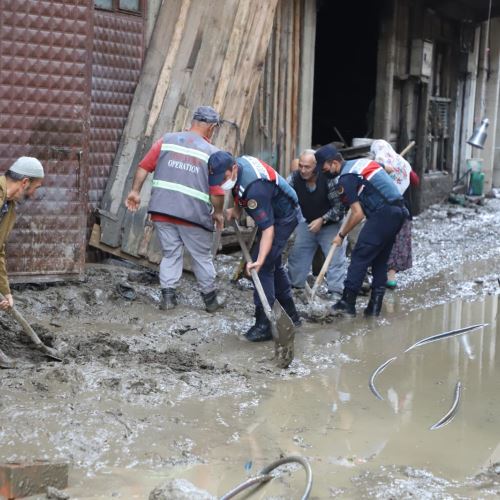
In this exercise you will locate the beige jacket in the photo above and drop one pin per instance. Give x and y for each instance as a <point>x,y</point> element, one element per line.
<point>6,224</point>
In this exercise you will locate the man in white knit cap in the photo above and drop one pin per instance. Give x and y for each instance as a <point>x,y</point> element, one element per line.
<point>21,181</point>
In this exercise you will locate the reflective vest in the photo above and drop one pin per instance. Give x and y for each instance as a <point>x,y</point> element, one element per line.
<point>382,189</point>
<point>252,170</point>
<point>180,182</point>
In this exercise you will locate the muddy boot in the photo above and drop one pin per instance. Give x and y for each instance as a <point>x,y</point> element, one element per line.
<point>261,331</point>
<point>259,315</point>
<point>291,310</point>
<point>168,299</point>
<point>211,301</point>
<point>375,304</point>
<point>346,306</point>
<point>5,361</point>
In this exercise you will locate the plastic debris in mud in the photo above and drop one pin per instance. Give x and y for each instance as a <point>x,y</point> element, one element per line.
<point>446,419</point>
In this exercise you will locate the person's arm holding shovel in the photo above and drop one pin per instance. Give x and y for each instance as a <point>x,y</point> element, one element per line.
<point>353,218</point>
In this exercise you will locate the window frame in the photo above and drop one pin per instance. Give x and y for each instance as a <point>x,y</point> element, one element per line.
<point>115,7</point>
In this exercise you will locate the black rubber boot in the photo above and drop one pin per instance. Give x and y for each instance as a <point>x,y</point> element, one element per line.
<point>211,301</point>
<point>168,299</point>
<point>346,306</point>
<point>261,331</point>
<point>259,315</point>
<point>375,304</point>
<point>291,310</point>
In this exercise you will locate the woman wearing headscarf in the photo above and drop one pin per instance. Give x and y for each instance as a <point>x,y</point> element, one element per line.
<point>402,174</point>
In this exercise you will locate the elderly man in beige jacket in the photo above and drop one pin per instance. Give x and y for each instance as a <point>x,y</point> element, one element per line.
<point>21,181</point>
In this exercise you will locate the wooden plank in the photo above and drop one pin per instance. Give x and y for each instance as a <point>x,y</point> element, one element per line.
<point>281,124</point>
<point>276,76</point>
<point>243,87</point>
<point>137,118</point>
<point>231,56</point>
<point>298,15</point>
<point>289,138</point>
<point>166,71</point>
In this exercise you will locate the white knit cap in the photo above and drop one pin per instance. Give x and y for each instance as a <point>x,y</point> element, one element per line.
<point>28,166</point>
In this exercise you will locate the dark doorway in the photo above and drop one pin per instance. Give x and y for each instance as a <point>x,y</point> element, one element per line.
<point>345,69</point>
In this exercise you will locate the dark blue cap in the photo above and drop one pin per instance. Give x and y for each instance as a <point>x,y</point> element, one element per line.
<point>325,153</point>
<point>218,164</point>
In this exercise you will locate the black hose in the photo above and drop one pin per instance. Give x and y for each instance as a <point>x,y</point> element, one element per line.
<point>264,476</point>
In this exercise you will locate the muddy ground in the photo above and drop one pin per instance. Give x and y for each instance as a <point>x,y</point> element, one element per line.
<point>143,395</point>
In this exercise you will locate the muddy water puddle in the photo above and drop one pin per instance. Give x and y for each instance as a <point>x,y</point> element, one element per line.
<point>358,446</point>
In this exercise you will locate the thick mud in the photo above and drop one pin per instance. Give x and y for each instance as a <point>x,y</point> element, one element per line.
<point>145,396</point>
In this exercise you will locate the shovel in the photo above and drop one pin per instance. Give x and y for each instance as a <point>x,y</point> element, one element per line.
<point>48,351</point>
<point>321,275</point>
<point>282,327</point>
<point>238,272</point>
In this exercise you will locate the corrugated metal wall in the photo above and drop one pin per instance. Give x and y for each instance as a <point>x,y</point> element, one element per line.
<point>116,65</point>
<point>44,112</point>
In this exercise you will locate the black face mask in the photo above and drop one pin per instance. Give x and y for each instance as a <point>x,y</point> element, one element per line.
<point>329,175</point>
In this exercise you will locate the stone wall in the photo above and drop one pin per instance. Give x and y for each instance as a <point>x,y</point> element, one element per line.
<point>436,188</point>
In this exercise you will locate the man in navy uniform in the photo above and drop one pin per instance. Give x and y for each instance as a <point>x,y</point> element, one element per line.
<point>273,205</point>
<point>369,192</point>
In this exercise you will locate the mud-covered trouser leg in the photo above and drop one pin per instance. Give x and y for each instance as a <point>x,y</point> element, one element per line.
<point>198,242</point>
<point>272,274</point>
<point>374,246</point>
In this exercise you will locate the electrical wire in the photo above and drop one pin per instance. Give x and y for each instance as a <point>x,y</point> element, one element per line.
<point>264,476</point>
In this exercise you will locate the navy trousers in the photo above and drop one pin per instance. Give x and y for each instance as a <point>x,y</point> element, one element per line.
<point>374,247</point>
<point>272,274</point>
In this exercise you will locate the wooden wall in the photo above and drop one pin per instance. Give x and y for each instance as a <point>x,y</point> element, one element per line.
<point>211,52</point>
<point>274,128</point>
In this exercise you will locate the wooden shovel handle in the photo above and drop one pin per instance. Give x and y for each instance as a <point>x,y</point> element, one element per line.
<point>253,272</point>
<point>408,148</point>
<point>324,269</point>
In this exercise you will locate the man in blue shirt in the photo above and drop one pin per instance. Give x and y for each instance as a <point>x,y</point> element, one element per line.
<point>273,205</point>
<point>366,188</point>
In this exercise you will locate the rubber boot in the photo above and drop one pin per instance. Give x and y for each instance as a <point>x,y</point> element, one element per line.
<point>375,304</point>
<point>291,310</point>
<point>211,301</point>
<point>346,306</point>
<point>261,331</point>
<point>168,299</point>
<point>5,361</point>
<point>259,315</point>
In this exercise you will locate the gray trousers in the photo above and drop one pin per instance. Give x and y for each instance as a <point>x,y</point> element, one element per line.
<point>173,238</point>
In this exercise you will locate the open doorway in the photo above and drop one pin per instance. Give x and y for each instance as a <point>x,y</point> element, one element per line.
<point>345,70</point>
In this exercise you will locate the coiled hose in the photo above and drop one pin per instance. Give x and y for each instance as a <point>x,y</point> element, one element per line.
<point>264,476</point>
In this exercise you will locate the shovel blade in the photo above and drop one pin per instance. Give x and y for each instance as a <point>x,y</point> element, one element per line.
<point>284,336</point>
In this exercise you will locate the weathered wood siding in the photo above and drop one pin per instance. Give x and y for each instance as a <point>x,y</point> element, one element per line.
<point>273,134</point>
<point>209,52</point>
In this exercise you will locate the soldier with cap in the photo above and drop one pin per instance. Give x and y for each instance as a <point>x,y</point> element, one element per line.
<point>273,205</point>
<point>368,190</point>
<point>183,207</point>
<point>21,181</point>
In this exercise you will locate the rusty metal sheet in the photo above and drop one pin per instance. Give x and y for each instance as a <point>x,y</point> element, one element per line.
<point>44,112</point>
<point>117,53</point>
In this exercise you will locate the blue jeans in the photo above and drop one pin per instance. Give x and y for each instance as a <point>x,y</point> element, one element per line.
<point>302,254</point>
<point>272,274</point>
